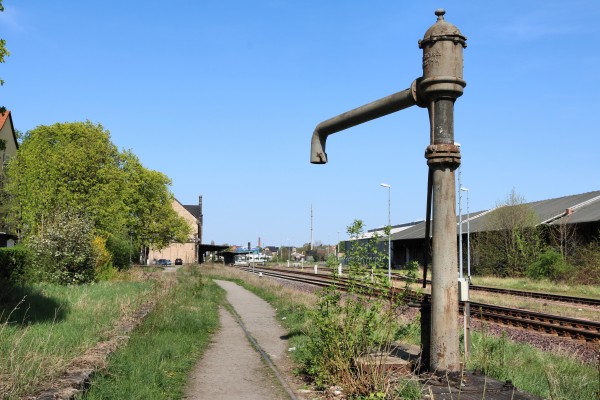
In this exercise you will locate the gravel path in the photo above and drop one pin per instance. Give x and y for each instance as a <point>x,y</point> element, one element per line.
<point>231,368</point>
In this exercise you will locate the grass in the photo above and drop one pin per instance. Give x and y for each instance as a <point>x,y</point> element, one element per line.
<point>544,374</point>
<point>43,327</point>
<point>164,348</point>
<point>538,286</point>
<point>549,375</point>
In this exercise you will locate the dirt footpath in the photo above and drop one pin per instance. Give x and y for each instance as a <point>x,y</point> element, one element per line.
<point>231,368</point>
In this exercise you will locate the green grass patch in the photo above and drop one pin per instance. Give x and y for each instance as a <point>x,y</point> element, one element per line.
<point>544,374</point>
<point>162,351</point>
<point>43,327</point>
<point>545,286</point>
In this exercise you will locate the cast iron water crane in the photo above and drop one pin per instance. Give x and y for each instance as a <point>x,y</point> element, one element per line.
<point>437,90</point>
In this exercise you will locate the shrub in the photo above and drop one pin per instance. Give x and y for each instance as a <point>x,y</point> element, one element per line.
<point>120,248</point>
<point>14,264</point>
<point>350,334</point>
<point>550,265</point>
<point>63,252</point>
<point>587,260</point>
<point>332,262</point>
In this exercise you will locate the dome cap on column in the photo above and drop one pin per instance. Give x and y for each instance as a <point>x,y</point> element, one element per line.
<point>442,30</point>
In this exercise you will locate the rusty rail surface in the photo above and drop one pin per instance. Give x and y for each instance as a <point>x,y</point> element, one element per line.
<point>576,329</point>
<point>586,301</point>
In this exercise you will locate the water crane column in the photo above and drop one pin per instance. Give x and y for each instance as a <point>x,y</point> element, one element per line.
<point>437,90</point>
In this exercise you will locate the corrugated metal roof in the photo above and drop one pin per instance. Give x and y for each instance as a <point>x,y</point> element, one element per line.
<point>585,208</point>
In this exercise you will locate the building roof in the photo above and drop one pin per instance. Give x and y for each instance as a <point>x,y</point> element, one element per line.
<point>7,117</point>
<point>573,209</point>
<point>195,210</point>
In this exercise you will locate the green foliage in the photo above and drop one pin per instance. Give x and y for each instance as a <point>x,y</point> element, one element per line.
<point>349,332</point>
<point>164,349</point>
<point>3,51</point>
<point>550,375</point>
<point>151,216</point>
<point>332,262</point>
<point>67,166</point>
<point>63,252</point>
<point>549,265</point>
<point>587,264</point>
<point>43,327</point>
<point>510,241</point>
<point>14,262</point>
<point>75,166</point>
<point>120,249</point>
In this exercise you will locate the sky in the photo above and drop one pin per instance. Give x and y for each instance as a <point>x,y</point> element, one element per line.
<point>223,97</point>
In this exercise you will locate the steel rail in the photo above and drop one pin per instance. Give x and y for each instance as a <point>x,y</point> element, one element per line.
<point>513,292</point>
<point>523,293</point>
<point>577,329</point>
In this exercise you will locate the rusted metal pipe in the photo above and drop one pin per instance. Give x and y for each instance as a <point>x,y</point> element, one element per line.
<point>378,108</point>
<point>441,85</point>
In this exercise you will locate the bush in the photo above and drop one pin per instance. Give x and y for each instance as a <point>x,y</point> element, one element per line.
<point>14,264</point>
<point>587,260</point>
<point>549,265</point>
<point>350,334</point>
<point>64,252</point>
<point>119,247</point>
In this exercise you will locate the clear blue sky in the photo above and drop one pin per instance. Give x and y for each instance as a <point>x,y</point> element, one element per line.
<point>223,97</point>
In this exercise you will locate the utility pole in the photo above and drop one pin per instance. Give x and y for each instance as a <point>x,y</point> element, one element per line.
<point>311,227</point>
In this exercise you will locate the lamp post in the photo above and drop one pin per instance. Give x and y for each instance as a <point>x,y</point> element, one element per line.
<point>467,312</point>
<point>385,185</point>
<point>468,236</point>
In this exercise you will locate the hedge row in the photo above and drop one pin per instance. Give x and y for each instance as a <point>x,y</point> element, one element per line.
<point>13,264</point>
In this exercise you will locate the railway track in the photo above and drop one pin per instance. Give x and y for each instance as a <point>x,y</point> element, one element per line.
<point>576,329</point>
<point>522,293</point>
<point>585,301</point>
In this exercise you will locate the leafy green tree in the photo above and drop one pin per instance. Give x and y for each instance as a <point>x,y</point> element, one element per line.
<point>76,167</point>
<point>3,53</point>
<point>510,241</point>
<point>71,166</point>
<point>151,218</point>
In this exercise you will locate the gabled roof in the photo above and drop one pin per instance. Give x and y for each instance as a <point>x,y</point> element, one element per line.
<point>7,118</point>
<point>195,210</point>
<point>584,207</point>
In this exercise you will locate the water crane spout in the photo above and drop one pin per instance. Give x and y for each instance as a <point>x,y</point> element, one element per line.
<point>378,108</point>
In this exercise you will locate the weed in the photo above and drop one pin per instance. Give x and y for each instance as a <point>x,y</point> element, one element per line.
<point>163,350</point>
<point>44,326</point>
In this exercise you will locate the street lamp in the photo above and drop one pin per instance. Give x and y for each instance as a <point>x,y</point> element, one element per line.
<point>467,312</point>
<point>464,189</point>
<point>385,185</point>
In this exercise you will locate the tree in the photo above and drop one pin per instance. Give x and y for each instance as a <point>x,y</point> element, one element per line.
<point>64,166</point>
<point>3,53</point>
<point>151,218</point>
<point>510,241</point>
<point>75,167</point>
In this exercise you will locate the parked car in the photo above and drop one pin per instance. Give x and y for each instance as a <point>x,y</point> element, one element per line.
<point>163,261</point>
<point>178,261</point>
